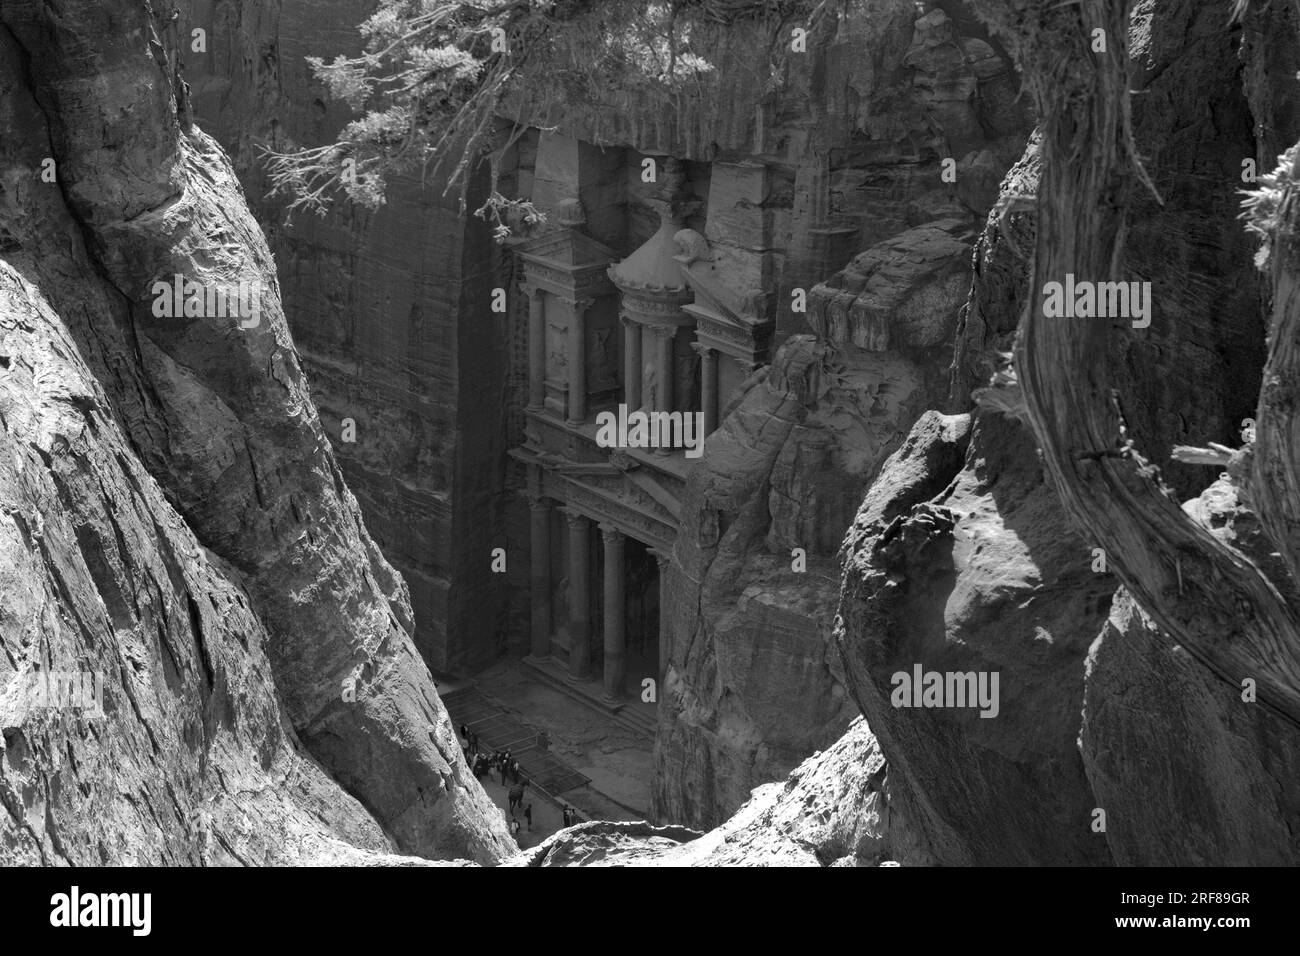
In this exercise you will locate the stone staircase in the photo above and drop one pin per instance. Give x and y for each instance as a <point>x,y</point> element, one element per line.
<point>631,718</point>
<point>498,730</point>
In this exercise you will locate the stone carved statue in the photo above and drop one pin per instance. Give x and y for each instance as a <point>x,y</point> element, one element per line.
<point>649,387</point>
<point>570,213</point>
<point>600,366</point>
<point>692,247</point>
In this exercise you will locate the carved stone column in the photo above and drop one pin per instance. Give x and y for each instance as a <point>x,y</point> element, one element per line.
<point>665,632</point>
<point>631,363</point>
<point>664,337</point>
<point>708,385</point>
<point>577,360</point>
<point>615,633</point>
<point>649,378</point>
<point>540,574</point>
<point>536,348</point>
<point>579,603</point>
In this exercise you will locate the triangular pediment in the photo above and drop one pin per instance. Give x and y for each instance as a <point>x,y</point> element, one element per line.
<point>715,295</point>
<point>568,249</point>
<point>711,292</point>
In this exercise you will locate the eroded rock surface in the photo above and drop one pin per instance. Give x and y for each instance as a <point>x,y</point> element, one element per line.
<point>193,760</point>
<point>988,576</point>
<point>390,316</point>
<point>220,415</point>
<point>750,687</point>
<point>832,810</point>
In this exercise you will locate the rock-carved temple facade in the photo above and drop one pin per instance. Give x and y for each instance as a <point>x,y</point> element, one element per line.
<point>657,331</point>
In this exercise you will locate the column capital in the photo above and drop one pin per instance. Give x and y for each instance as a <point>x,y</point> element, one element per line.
<point>702,350</point>
<point>579,306</point>
<point>610,533</point>
<point>664,331</point>
<point>627,320</point>
<point>539,502</point>
<point>576,519</point>
<point>531,288</point>
<point>661,557</point>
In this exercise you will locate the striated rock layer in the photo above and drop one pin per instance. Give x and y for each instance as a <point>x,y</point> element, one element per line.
<point>219,415</point>
<point>390,314</point>
<point>988,577</point>
<point>193,759</point>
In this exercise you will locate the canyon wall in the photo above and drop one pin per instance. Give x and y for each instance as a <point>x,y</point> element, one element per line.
<point>749,688</point>
<point>890,120</point>
<point>174,521</point>
<point>218,413</point>
<point>1097,711</point>
<point>390,311</point>
<point>192,759</point>
<point>1188,768</point>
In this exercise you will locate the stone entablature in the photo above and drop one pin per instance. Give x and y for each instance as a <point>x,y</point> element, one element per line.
<point>555,444</point>
<point>568,263</point>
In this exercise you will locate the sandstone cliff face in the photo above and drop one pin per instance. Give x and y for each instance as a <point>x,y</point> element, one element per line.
<point>986,577</point>
<point>390,314</point>
<point>193,760</point>
<point>749,687</point>
<point>219,415</point>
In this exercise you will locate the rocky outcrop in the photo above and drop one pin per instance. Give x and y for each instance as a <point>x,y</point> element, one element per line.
<point>983,578</point>
<point>832,810</point>
<point>217,410</point>
<point>749,688</point>
<point>390,312</point>
<point>191,759</point>
<point>987,577</point>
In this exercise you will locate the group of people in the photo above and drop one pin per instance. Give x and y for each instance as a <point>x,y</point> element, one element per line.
<point>481,762</point>
<point>503,762</point>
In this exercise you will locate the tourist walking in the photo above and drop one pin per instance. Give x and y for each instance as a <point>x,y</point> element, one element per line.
<point>516,796</point>
<point>528,815</point>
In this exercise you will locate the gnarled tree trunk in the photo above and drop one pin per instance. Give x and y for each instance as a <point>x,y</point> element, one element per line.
<point>1207,596</point>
